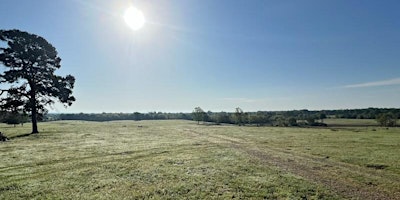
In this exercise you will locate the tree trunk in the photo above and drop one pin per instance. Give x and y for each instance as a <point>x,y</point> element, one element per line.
<point>34,111</point>
<point>34,121</point>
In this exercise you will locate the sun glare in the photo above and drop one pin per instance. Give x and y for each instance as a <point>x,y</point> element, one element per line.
<point>134,18</point>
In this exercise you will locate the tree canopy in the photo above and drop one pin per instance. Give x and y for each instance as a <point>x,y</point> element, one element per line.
<point>387,119</point>
<point>31,62</point>
<point>199,115</point>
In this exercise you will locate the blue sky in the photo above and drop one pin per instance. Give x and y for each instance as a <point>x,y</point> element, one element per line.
<point>219,55</point>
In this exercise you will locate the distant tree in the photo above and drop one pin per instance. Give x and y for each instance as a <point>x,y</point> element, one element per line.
<point>207,116</point>
<point>322,116</point>
<point>258,118</point>
<point>246,118</point>
<point>137,116</point>
<point>254,119</point>
<point>223,117</point>
<point>292,121</point>
<point>184,116</point>
<point>239,116</point>
<point>31,63</point>
<point>280,120</point>
<point>386,119</point>
<point>310,120</point>
<point>198,114</point>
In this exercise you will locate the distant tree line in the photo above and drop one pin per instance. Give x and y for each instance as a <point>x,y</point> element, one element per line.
<point>384,116</point>
<point>261,118</point>
<point>120,116</point>
<point>368,113</point>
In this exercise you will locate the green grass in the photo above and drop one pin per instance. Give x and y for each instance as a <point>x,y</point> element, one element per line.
<point>180,159</point>
<point>351,122</point>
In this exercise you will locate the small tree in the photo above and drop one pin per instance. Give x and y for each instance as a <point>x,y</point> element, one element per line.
<point>386,119</point>
<point>31,62</point>
<point>322,116</point>
<point>311,120</point>
<point>239,116</point>
<point>198,115</point>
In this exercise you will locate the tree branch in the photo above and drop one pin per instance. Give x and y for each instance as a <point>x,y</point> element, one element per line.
<point>2,91</point>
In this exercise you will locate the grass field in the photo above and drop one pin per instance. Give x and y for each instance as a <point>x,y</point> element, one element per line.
<point>351,122</point>
<point>180,159</point>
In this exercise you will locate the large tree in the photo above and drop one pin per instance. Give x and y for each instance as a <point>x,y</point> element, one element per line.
<point>30,63</point>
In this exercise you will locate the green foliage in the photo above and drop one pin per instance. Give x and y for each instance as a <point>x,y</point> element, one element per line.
<point>280,120</point>
<point>222,117</point>
<point>322,116</point>
<point>239,117</point>
<point>199,115</point>
<point>311,120</point>
<point>387,119</point>
<point>12,118</point>
<point>31,63</point>
<point>292,121</point>
<point>259,119</point>
<point>101,117</point>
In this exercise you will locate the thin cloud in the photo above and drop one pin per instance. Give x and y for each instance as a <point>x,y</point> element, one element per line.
<point>395,81</point>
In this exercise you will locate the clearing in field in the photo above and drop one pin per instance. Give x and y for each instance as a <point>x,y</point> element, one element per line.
<point>180,159</point>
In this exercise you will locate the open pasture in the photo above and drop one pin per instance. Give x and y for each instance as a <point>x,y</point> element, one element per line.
<point>180,159</point>
<point>351,122</point>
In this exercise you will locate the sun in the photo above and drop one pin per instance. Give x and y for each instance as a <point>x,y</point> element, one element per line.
<point>134,18</point>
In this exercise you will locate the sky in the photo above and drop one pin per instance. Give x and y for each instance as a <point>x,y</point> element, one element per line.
<point>219,55</point>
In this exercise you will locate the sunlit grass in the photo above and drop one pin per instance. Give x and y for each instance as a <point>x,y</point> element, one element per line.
<point>179,159</point>
<point>350,122</point>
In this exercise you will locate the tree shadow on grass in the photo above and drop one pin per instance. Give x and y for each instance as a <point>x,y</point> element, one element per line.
<point>20,136</point>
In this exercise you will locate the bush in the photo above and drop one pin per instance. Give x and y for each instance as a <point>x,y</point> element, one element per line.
<point>386,119</point>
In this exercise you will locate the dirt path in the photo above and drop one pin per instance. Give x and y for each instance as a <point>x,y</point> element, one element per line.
<point>337,176</point>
